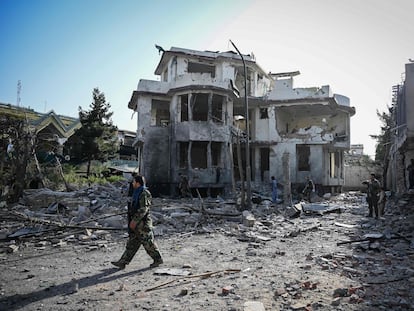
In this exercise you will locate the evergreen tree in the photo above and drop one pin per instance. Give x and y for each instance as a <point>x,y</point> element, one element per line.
<point>97,138</point>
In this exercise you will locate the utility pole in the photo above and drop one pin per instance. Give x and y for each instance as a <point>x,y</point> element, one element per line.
<point>246,107</point>
<point>19,87</point>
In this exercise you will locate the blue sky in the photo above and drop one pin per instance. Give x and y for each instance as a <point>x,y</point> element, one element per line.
<point>61,50</point>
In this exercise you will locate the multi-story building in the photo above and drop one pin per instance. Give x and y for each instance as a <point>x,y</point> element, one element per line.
<point>401,149</point>
<point>187,121</point>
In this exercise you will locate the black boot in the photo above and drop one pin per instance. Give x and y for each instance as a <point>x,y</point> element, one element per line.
<point>157,261</point>
<point>120,264</point>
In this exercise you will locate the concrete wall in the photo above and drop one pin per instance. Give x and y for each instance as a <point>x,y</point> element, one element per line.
<point>355,175</point>
<point>156,155</point>
<point>409,95</point>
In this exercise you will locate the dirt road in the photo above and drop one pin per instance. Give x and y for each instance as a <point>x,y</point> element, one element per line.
<point>279,263</point>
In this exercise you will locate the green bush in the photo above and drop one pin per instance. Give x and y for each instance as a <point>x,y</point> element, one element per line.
<point>75,174</point>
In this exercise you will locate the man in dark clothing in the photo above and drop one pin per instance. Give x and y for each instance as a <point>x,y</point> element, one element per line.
<point>141,226</point>
<point>373,190</point>
<point>309,189</point>
<point>184,186</point>
<point>274,190</point>
<point>129,194</point>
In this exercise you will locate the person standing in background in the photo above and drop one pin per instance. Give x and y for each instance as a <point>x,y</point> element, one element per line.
<point>372,195</point>
<point>274,190</point>
<point>309,189</point>
<point>410,169</point>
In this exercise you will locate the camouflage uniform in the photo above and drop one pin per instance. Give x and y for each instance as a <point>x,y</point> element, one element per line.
<point>143,234</point>
<point>373,196</point>
<point>309,188</point>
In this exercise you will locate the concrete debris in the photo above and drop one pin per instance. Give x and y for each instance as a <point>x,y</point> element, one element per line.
<point>172,271</point>
<point>253,306</point>
<point>372,257</point>
<point>319,208</point>
<point>248,219</point>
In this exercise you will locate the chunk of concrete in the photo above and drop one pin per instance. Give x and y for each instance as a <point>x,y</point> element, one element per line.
<point>253,306</point>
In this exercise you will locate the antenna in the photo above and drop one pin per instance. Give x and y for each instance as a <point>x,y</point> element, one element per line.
<point>19,87</point>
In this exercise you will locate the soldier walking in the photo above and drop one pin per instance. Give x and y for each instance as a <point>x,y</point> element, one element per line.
<point>141,226</point>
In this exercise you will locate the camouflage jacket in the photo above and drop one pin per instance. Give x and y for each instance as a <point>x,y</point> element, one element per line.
<point>141,212</point>
<point>373,188</point>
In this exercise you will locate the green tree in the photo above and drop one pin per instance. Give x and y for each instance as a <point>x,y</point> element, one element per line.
<point>14,160</point>
<point>384,140</point>
<point>97,138</point>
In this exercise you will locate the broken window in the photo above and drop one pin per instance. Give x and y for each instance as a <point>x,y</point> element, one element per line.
<point>199,106</point>
<point>183,154</point>
<point>217,108</point>
<point>263,113</point>
<point>264,161</point>
<point>302,155</point>
<point>184,107</point>
<point>215,153</point>
<point>202,68</point>
<point>199,154</point>
<point>160,113</point>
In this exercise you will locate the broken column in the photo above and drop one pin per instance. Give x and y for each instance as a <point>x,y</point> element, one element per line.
<point>287,193</point>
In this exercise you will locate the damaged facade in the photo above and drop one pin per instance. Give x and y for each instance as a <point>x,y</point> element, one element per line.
<point>401,149</point>
<point>189,122</point>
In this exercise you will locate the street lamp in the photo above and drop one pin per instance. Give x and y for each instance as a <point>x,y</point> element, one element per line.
<point>246,107</point>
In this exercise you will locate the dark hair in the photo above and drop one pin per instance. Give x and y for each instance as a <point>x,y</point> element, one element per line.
<point>140,179</point>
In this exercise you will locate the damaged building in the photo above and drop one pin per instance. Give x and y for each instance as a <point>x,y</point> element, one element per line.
<point>191,120</point>
<point>401,149</point>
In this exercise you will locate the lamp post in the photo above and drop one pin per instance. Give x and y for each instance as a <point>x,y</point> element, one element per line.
<point>246,107</point>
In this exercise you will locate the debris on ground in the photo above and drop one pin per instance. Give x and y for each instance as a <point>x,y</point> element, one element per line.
<point>56,249</point>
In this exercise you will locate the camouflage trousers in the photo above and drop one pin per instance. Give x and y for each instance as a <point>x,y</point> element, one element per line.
<point>136,239</point>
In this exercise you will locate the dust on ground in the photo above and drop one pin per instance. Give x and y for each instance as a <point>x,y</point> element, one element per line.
<point>321,256</point>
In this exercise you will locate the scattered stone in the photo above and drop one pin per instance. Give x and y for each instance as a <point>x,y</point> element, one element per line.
<point>12,248</point>
<point>336,302</point>
<point>172,271</point>
<point>280,292</point>
<point>183,292</point>
<point>227,290</point>
<point>341,292</point>
<point>253,306</point>
<point>299,306</point>
<point>248,219</point>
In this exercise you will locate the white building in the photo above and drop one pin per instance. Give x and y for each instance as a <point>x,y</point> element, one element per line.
<point>185,124</point>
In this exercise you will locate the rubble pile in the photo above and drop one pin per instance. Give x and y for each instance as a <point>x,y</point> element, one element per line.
<point>325,255</point>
